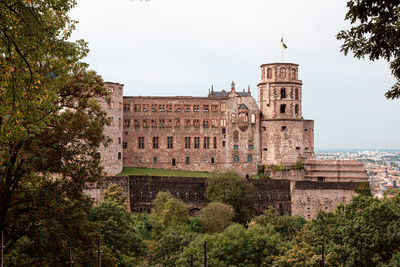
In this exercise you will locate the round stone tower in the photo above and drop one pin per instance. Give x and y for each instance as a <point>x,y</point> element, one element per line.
<point>286,136</point>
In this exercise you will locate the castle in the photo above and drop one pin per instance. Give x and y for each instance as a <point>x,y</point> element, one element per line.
<point>227,130</point>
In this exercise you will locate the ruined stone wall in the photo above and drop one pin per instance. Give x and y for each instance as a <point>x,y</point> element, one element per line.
<point>226,139</point>
<point>335,171</point>
<point>286,141</point>
<point>310,197</point>
<point>111,156</point>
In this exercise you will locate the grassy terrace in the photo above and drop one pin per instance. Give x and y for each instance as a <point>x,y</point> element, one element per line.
<point>163,172</point>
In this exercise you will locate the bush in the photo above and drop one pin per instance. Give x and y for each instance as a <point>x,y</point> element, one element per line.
<point>216,216</point>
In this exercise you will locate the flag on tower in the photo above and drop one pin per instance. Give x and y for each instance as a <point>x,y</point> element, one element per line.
<point>283,46</point>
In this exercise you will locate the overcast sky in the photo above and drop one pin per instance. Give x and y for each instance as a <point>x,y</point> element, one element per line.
<point>182,47</point>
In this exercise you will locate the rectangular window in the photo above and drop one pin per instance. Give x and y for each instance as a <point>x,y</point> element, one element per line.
<point>177,108</point>
<point>153,123</point>
<point>155,142</point>
<point>205,108</point>
<point>223,123</point>
<point>141,142</point>
<point>169,123</point>
<point>170,140</point>
<point>145,108</point>
<point>111,105</point>
<point>124,145</point>
<point>236,147</point>
<point>169,108</point>
<point>119,122</point>
<point>214,123</point>
<point>145,123</point>
<point>223,143</point>
<point>162,123</point>
<point>153,108</point>
<point>126,107</point>
<point>236,158</point>
<point>214,108</point>
<point>187,161</point>
<point>205,124</point>
<point>206,144</point>
<point>249,158</point>
<point>155,160</point>
<point>196,123</point>
<point>187,108</point>
<point>137,108</point>
<point>119,155</point>
<point>223,107</point>
<point>187,142</point>
<point>119,140</point>
<point>187,123</point>
<point>127,124</point>
<point>177,123</point>
<point>161,108</point>
<point>223,130</point>
<point>197,142</point>
<point>215,142</point>
<point>251,147</point>
<point>195,108</point>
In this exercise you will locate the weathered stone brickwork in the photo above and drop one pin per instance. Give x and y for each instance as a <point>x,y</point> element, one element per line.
<point>111,155</point>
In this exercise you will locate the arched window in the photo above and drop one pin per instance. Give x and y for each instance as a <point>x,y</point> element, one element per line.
<point>269,73</point>
<point>283,108</point>
<point>253,118</point>
<point>283,93</point>
<point>294,76</point>
<point>296,94</point>
<point>235,135</point>
<point>282,73</point>
<point>262,74</point>
<point>296,109</point>
<point>233,118</point>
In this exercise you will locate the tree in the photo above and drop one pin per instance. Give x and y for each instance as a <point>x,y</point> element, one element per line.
<point>114,193</point>
<point>215,217</point>
<point>235,246</point>
<point>118,233</point>
<point>286,226</point>
<point>50,128</point>
<point>167,210</point>
<point>231,189</point>
<point>376,35</point>
<point>171,244</point>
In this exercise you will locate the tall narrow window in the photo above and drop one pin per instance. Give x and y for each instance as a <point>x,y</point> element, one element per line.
<point>119,155</point>
<point>141,142</point>
<point>173,161</point>
<point>187,142</point>
<point>283,108</point>
<point>155,160</point>
<point>206,142</point>
<point>282,73</point>
<point>170,140</point>
<point>283,93</point>
<point>249,158</point>
<point>197,142</point>
<point>294,76</point>
<point>269,73</point>
<point>296,109</point>
<point>236,158</point>
<point>155,142</point>
<point>212,161</point>
<point>187,160</point>
<point>215,142</point>
<point>296,94</point>
<point>124,145</point>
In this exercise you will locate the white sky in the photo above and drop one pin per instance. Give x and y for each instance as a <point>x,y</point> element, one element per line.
<point>182,47</point>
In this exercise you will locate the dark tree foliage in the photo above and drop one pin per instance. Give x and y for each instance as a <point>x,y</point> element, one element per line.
<point>375,34</point>
<point>231,189</point>
<point>50,129</point>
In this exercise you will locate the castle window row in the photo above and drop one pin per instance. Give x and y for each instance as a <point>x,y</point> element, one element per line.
<point>175,123</point>
<point>173,108</point>
<point>284,95</point>
<point>170,142</point>
<point>281,74</point>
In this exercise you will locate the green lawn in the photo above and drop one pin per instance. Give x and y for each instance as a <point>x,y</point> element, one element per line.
<point>163,172</point>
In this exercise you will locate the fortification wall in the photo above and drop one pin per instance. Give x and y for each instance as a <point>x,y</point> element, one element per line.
<point>308,197</point>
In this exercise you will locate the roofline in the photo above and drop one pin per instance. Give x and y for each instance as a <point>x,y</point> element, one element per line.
<point>279,63</point>
<point>114,83</point>
<point>177,97</point>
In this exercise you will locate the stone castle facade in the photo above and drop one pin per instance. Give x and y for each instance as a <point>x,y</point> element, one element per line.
<point>225,130</point>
